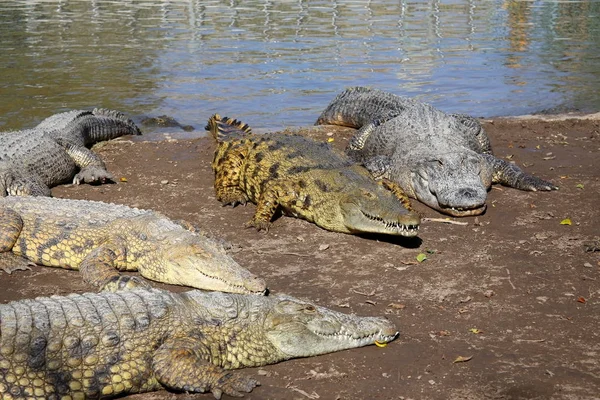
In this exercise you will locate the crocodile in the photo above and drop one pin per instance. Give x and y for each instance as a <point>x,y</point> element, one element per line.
<point>164,121</point>
<point>306,179</point>
<point>103,345</point>
<point>100,239</point>
<point>443,160</point>
<point>56,151</point>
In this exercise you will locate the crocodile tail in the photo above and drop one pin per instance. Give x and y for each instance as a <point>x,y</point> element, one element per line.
<point>224,128</point>
<point>118,116</point>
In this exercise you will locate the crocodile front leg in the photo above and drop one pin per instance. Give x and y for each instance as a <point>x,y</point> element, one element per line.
<point>99,268</point>
<point>510,175</point>
<point>92,168</point>
<point>227,177</point>
<point>275,194</point>
<point>184,364</point>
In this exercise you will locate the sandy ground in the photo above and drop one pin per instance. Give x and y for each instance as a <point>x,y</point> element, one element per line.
<point>514,290</point>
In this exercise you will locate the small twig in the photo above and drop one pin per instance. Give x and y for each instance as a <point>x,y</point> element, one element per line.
<point>445,221</point>
<point>313,395</point>
<point>509,281</point>
<point>363,293</point>
<point>285,253</point>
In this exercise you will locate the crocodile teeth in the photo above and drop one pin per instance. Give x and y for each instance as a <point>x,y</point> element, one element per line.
<point>392,225</point>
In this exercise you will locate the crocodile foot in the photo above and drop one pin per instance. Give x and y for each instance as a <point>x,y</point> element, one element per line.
<point>533,184</point>
<point>234,385</point>
<point>125,282</point>
<point>233,198</point>
<point>93,174</point>
<point>260,225</point>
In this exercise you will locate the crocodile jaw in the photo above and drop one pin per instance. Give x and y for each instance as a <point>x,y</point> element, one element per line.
<point>384,215</point>
<point>303,329</point>
<point>204,266</point>
<point>454,190</point>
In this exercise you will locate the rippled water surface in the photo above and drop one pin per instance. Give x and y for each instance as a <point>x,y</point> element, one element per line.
<point>278,63</point>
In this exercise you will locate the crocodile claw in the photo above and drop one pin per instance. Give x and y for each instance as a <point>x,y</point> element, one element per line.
<point>92,174</point>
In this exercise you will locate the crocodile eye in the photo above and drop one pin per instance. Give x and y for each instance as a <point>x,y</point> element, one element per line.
<point>310,309</point>
<point>368,195</point>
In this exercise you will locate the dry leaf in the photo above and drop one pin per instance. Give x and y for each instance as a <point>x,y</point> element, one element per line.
<point>330,139</point>
<point>421,257</point>
<point>581,300</point>
<point>475,331</point>
<point>565,221</point>
<point>123,179</point>
<point>460,359</point>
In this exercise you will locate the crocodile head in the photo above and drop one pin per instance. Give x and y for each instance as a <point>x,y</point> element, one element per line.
<point>366,207</point>
<point>280,327</point>
<point>180,257</point>
<point>302,329</point>
<point>452,183</point>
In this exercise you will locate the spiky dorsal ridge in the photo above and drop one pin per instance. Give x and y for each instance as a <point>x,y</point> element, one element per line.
<point>117,115</point>
<point>223,128</point>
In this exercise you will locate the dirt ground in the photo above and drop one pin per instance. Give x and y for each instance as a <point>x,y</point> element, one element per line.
<point>514,290</point>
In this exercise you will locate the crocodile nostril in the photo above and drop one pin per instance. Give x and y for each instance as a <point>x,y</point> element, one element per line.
<point>468,193</point>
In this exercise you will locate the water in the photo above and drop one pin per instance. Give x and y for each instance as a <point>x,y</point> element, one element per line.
<point>279,63</point>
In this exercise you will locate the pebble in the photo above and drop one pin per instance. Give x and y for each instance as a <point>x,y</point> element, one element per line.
<point>164,182</point>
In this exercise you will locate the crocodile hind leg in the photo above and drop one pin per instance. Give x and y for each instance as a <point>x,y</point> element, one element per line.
<point>357,142</point>
<point>92,168</point>
<point>11,225</point>
<point>12,184</point>
<point>99,268</point>
<point>185,364</point>
<point>227,177</point>
<point>510,175</point>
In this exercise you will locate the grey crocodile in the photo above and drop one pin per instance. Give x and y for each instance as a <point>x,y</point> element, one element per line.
<point>56,151</point>
<point>100,238</point>
<point>104,345</point>
<point>443,160</point>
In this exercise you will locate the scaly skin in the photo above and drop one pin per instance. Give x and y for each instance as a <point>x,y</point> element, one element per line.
<point>443,160</point>
<point>100,239</point>
<point>112,344</point>
<point>56,151</point>
<point>306,179</point>
<point>164,121</point>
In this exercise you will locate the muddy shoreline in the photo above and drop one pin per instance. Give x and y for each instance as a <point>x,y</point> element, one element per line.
<point>514,289</point>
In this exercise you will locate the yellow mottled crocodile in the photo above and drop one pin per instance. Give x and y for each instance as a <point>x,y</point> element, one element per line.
<point>100,238</point>
<point>102,345</point>
<point>306,179</point>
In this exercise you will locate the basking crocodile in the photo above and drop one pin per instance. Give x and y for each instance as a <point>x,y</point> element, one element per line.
<point>164,121</point>
<point>100,238</point>
<point>101,345</point>
<point>305,179</point>
<point>56,151</point>
<point>443,160</point>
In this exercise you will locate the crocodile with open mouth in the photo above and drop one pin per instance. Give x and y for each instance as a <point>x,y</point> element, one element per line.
<point>306,179</point>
